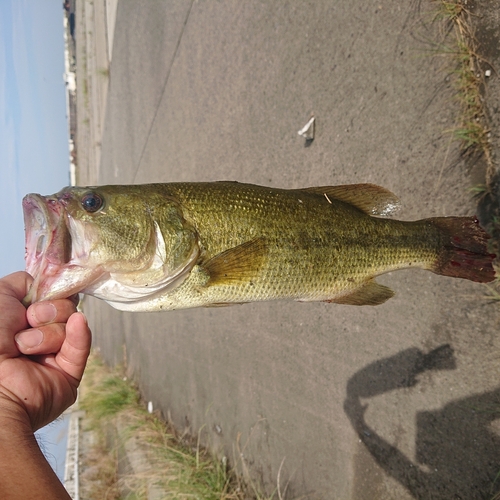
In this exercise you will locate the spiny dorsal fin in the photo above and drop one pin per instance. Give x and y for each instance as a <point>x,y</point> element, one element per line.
<point>238,264</point>
<point>370,294</point>
<point>370,198</point>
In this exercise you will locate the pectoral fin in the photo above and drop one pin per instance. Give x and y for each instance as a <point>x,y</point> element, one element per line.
<point>369,198</point>
<point>370,294</point>
<point>236,265</point>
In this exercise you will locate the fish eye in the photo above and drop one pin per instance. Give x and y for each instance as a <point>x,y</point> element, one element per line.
<point>92,202</point>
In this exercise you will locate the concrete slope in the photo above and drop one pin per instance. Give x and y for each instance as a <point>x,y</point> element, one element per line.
<point>337,402</point>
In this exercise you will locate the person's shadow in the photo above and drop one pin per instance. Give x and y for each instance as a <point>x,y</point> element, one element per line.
<point>457,450</point>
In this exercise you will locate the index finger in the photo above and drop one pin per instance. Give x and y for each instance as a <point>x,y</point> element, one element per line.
<point>50,311</point>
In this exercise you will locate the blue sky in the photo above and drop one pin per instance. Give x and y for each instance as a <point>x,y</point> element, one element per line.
<point>34,154</point>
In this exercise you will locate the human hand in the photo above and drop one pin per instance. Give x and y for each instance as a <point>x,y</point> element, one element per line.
<point>43,352</point>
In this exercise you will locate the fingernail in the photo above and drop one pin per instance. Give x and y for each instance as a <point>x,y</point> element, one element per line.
<point>45,312</point>
<point>29,338</point>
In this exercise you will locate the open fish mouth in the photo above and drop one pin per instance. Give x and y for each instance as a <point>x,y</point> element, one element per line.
<point>48,241</point>
<point>36,226</point>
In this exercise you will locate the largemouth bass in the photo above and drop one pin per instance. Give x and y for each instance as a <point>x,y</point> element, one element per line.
<point>172,246</point>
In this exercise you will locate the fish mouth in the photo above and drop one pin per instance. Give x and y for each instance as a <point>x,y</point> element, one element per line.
<point>48,241</point>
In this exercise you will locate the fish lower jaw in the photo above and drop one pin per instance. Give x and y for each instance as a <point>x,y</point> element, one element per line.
<point>54,281</point>
<point>44,289</point>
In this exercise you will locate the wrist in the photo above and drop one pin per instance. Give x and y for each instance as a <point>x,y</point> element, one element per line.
<point>14,420</point>
<point>25,471</point>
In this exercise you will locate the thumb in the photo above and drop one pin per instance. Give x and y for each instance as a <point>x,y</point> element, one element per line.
<point>75,349</point>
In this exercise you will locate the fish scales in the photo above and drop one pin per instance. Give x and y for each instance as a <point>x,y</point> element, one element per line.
<point>314,249</point>
<point>171,246</point>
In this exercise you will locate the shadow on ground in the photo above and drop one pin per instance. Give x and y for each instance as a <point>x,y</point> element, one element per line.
<point>457,451</point>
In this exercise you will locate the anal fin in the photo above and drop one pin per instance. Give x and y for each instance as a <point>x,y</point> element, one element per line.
<point>370,294</point>
<point>238,264</point>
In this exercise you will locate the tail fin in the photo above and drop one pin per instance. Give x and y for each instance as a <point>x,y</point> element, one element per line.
<point>465,249</point>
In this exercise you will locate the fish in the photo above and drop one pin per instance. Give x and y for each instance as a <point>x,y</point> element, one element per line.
<point>156,247</point>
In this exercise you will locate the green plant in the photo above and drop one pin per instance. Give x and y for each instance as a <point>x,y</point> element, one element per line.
<point>472,130</point>
<point>179,467</point>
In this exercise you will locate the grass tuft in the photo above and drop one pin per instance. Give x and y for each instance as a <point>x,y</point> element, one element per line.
<point>472,130</point>
<point>162,463</point>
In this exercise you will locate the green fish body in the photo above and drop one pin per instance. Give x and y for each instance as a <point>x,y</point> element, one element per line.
<point>173,246</point>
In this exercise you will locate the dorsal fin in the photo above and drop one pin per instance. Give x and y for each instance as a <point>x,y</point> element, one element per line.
<point>369,198</point>
<point>236,265</point>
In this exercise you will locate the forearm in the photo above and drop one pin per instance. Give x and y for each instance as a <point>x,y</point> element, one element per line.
<point>24,471</point>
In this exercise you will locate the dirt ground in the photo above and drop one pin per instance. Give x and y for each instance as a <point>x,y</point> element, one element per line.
<point>322,401</point>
